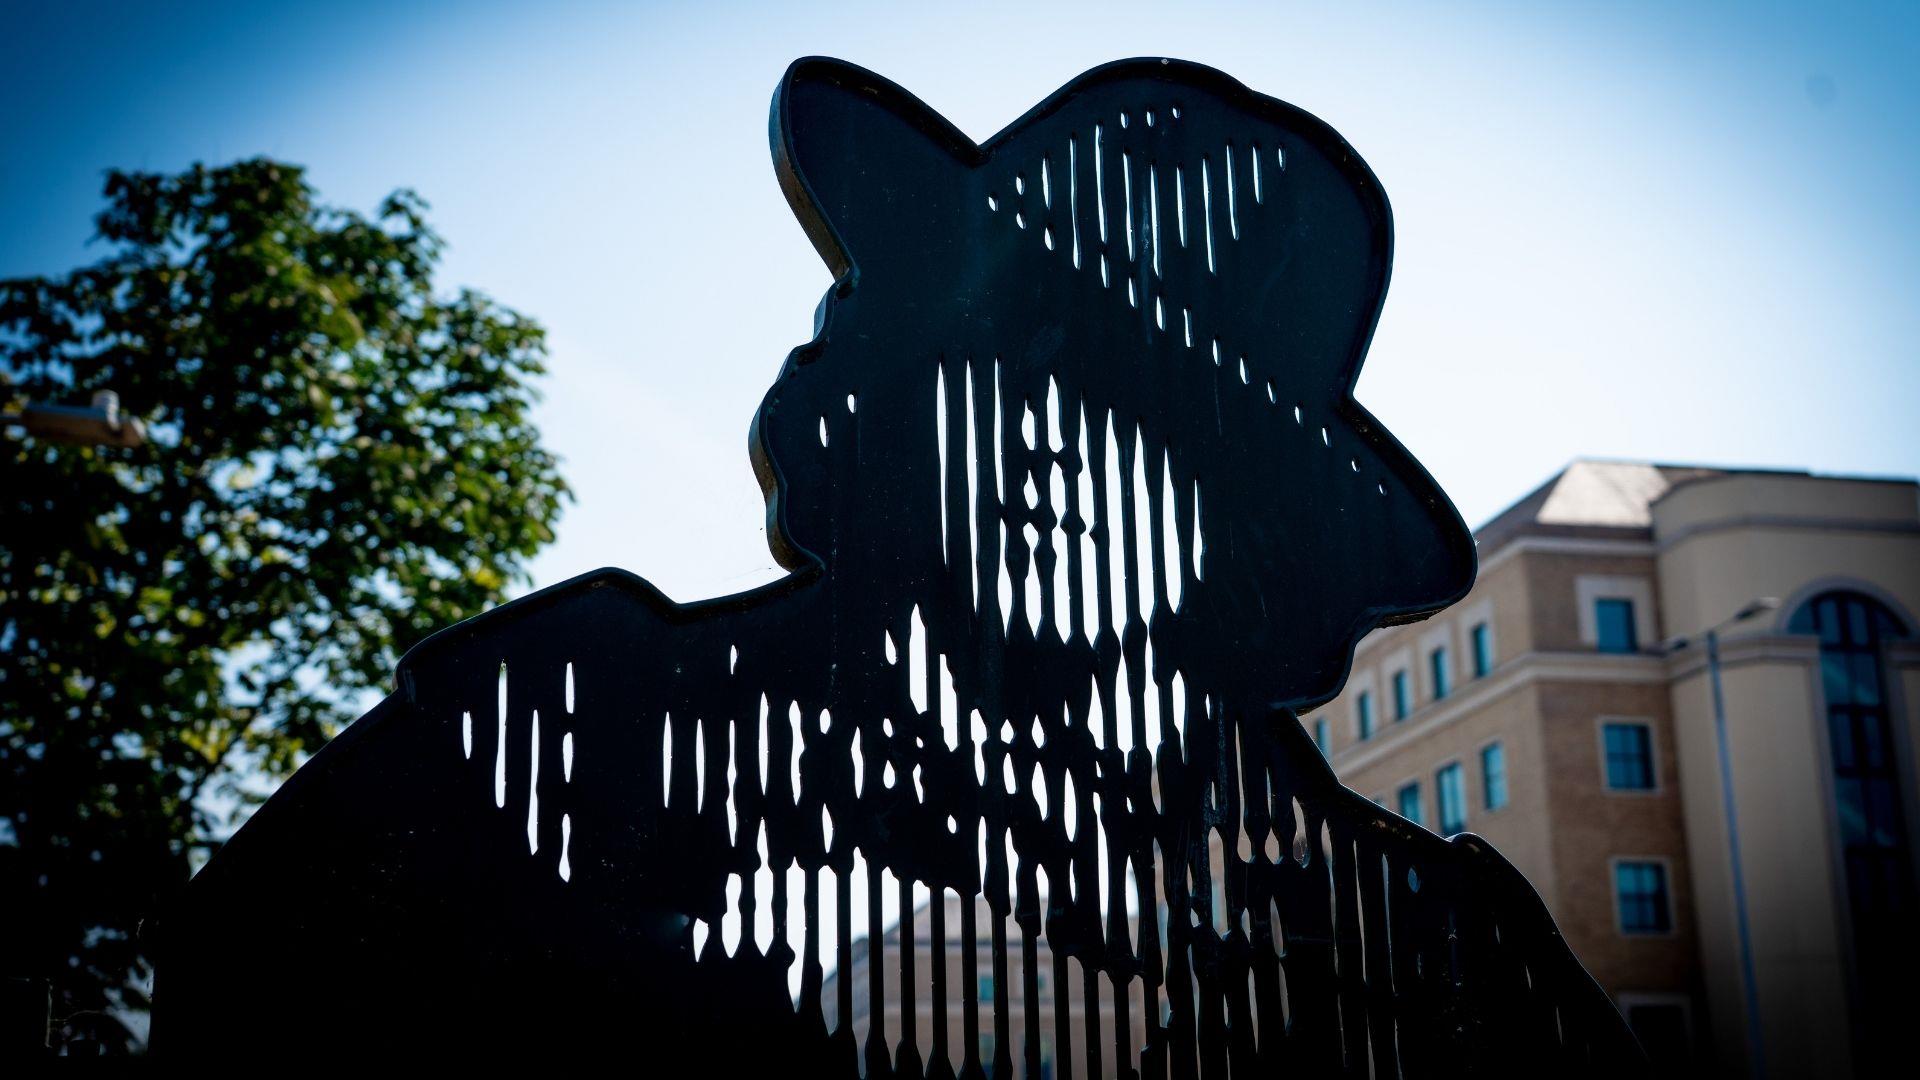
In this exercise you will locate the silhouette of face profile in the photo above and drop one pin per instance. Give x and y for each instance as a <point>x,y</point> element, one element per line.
<point>1078,500</point>
<point>1130,331</point>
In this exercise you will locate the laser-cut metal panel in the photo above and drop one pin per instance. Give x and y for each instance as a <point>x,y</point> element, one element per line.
<point>1080,512</point>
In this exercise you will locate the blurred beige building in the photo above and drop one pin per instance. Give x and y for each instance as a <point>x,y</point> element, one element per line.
<point>1554,712</point>
<point>972,989</point>
<point>1551,713</point>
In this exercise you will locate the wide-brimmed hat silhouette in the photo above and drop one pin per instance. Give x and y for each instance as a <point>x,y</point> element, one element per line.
<point>1156,261</point>
<point>1081,511</point>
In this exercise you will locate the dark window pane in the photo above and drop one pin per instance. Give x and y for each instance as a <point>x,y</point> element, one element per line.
<point>1409,803</point>
<point>1402,699</point>
<point>1857,623</point>
<point>1853,629</point>
<point>1364,706</point>
<point>1451,789</point>
<point>1883,813</point>
<point>1828,622</point>
<point>1629,750</point>
<point>1850,798</point>
<point>1865,672</point>
<point>1836,680</point>
<point>1840,722</point>
<point>1437,665</point>
<point>1482,650</point>
<point>1613,619</point>
<point>1641,889</point>
<point>1872,742</point>
<point>1493,776</point>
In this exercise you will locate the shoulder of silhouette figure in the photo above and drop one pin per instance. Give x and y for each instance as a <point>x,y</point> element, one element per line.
<point>592,595</point>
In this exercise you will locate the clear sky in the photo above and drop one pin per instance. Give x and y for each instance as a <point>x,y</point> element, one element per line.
<point>1624,229</point>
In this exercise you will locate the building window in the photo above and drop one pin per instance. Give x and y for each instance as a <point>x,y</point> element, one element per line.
<point>1613,623</point>
<point>1629,756</point>
<point>1482,637</point>
<point>1437,665</point>
<point>1450,787</point>
<point>1641,890</point>
<point>1493,776</point>
<point>985,987</point>
<point>1409,802</point>
<point>1363,710</point>
<point>1320,736</point>
<point>1853,630</point>
<point>1402,697</point>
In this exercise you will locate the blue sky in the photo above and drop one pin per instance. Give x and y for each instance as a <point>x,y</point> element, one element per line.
<point>1626,230</point>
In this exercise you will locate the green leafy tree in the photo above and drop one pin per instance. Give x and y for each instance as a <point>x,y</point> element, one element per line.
<point>340,460</point>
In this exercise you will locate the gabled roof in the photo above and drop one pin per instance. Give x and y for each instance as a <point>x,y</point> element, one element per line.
<point>1592,498</point>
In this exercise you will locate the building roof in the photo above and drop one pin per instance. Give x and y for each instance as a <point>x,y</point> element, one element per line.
<point>1596,497</point>
<point>1602,498</point>
<point>1589,498</point>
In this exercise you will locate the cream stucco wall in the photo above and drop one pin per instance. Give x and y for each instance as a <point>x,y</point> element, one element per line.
<point>1785,823</point>
<point>1723,542</point>
<point>1726,540</point>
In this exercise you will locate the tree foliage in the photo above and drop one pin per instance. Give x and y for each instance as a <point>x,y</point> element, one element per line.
<point>340,461</point>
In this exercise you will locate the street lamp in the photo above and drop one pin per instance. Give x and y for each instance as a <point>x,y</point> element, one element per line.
<point>1711,635</point>
<point>98,424</point>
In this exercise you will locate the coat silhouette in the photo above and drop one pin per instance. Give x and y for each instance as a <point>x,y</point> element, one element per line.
<point>1080,513</point>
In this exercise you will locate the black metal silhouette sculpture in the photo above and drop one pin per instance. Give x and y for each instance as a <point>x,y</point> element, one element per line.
<point>1079,511</point>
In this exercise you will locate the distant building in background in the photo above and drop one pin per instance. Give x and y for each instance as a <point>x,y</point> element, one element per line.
<point>1548,713</point>
<point>1543,713</point>
<point>1032,1007</point>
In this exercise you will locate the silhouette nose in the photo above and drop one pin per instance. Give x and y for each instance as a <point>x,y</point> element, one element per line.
<point>1436,563</point>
